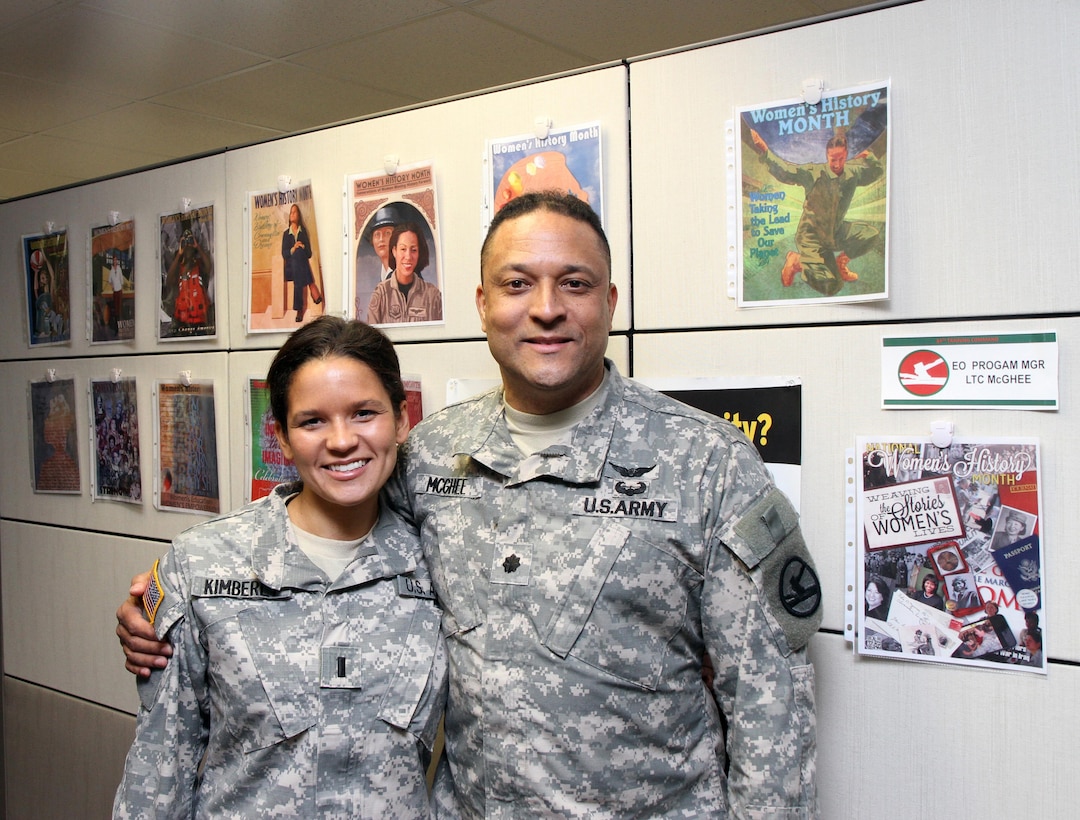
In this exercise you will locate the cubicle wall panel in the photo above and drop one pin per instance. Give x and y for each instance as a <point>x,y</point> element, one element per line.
<point>840,369</point>
<point>141,197</point>
<point>898,741</point>
<point>17,497</point>
<point>975,226</point>
<point>64,756</point>
<point>67,584</point>
<point>451,136</point>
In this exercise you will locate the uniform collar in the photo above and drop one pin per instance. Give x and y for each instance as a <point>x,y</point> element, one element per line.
<point>487,440</point>
<point>276,559</point>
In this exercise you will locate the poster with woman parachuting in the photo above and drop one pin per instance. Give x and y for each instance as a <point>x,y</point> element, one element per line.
<point>284,268</point>
<point>48,294</point>
<point>188,284</point>
<point>112,282</point>
<point>813,190</point>
<point>187,458</point>
<point>393,247</point>
<point>117,470</point>
<point>949,552</point>
<point>54,447</point>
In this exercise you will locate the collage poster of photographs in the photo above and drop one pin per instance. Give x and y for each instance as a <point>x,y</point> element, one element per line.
<point>950,565</point>
<point>117,471</point>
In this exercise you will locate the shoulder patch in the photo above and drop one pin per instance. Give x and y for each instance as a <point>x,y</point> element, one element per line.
<point>769,536</point>
<point>151,599</point>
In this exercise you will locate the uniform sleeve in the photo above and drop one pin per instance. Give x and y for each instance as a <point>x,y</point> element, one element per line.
<point>171,732</point>
<point>760,605</point>
<point>377,306</point>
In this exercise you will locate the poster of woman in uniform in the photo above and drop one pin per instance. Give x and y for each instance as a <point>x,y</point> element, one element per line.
<point>117,470</point>
<point>813,183</point>
<point>187,275</point>
<point>187,458</point>
<point>284,282</point>
<point>112,282</point>
<point>55,449</point>
<point>394,245</point>
<point>566,160</point>
<point>48,294</point>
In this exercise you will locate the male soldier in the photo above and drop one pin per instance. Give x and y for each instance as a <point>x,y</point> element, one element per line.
<point>590,541</point>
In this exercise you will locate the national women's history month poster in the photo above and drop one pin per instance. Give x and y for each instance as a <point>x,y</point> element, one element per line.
<point>112,282</point>
<point>48,289</point>
<point>567,160</point>
<point>267,464</point>
<point>117,469</point>
<point>813,199</point>
<point>54,444</point>
<point>284,267</point>
<point>188,285</point>
<point>187,457</point>
<point>949,552</point>
<point>393,247</point>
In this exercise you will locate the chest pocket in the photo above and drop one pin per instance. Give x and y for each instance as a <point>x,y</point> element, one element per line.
<point>259,675</point>
<point>624,607</point>
<point>272,668</point>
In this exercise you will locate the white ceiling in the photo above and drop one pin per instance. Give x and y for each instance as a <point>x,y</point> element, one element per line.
<point>94,88</point>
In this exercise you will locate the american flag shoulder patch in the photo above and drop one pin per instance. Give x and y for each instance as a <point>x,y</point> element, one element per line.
<point>151,599</point>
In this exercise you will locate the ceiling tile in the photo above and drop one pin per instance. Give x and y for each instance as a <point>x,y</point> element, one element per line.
<point>50,155</point>
<point>440,56</point>
<point>31,105</point>
<point>284,97</point>
<point>19,183</point>
<point>276,28</point>
<point>167,132</point>
<point>88,49</point>
<point>642,28</point>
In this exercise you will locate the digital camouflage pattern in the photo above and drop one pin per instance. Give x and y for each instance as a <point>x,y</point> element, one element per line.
<point>581,587</point>
<point>308,698</point>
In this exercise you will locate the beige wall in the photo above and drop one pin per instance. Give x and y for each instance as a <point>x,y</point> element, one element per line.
<point>984,193</point>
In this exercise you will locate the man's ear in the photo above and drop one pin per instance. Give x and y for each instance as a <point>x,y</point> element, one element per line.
<point>481,306</point>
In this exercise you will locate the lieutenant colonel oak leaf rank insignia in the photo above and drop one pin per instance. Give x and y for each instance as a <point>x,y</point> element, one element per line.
<point>151,599</point>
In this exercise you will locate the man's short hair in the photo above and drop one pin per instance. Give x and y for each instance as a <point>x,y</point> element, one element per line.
<point>554,201</point>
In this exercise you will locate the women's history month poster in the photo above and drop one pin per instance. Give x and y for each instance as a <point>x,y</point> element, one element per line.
<point>813,190</point>
<point>186,457</point>
<point>284,266</point>
<point>48,288</point>
<point>112,283</point>
<point>949,552</point>
<point>267,464</point>
<point>54,443</point>
<point>117,472</point>
<point>388,215</point>
<point>567,160</point>
<point>188,285</point>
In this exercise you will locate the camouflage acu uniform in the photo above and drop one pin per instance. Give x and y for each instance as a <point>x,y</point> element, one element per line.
<point>308,698</point>
<point>581,587</point>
